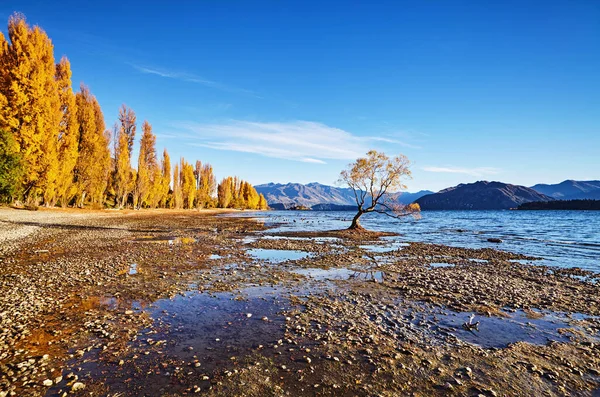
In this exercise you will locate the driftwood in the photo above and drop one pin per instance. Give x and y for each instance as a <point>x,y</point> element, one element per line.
<point>470,326</point>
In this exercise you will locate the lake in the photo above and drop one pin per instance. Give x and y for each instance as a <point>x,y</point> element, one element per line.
<point>561,238</point>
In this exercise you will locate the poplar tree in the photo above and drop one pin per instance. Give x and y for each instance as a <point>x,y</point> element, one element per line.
<point>11,170</point>
<point>30,105</point>
<point>177,194</point>
<point>262,202</point>
<point>166,179</point>
<point>146,166</point>
<point>206,185</point>
<point>224,194</point>
<point>188,184</point>
<point>93,163</point>
<point>124,139</point>
<point>67,134</point>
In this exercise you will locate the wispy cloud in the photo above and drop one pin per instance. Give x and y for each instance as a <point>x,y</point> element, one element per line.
<point>477,171</point>
<point>191,78</point>
<point>304,141</point>
<point>395,141</point>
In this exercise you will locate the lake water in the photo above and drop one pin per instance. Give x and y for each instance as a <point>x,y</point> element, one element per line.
<point>562,238</point>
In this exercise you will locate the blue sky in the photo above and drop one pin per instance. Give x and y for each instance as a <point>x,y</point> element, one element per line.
<point>294,91</point>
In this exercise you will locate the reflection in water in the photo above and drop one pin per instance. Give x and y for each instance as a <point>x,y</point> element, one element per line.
<point>273,255</point>
<point>500,332</point>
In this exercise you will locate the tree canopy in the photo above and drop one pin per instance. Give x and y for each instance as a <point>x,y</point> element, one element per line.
<point>55,148</point>
<point>372,179</point>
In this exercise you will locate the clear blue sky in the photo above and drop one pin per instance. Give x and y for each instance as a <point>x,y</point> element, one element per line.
<point>293,91</point>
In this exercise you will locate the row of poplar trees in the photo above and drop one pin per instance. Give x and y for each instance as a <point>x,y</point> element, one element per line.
<point>55,148</point>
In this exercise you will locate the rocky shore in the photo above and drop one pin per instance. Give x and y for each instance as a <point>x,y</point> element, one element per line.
<point>166,303</point>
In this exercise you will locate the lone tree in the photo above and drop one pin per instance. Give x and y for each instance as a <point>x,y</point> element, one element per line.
<point>373,180</point>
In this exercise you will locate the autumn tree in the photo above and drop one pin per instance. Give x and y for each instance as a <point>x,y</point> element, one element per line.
<point>124,138</point>
<point>147,164</point>
<point>188,184</point>
<point>262,202</point>
<point>371,179</point>
<point>68,134</point>
<point>250,196</point>
<point>206,184</point>
<point>11,170</point>
<point>177,193</point>
<point>93,163</point>
<point>224,194</point>
<point>30,105</point>
<point>166,179</point>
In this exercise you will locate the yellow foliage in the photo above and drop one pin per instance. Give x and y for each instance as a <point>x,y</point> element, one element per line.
<point>30,104</point>
<point>67,134</point>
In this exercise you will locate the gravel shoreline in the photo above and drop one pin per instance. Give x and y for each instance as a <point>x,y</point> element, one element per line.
<point>94,298</point>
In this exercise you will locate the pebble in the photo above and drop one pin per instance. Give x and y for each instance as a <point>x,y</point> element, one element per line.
<point>77,386</point>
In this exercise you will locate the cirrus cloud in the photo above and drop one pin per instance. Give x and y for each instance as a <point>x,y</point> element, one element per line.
<point>477,171</point>
<point>304,141</point>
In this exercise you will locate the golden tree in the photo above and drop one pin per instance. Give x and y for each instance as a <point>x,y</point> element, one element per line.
<point>147,164</point>
<point>30,105</point>
<point>371,179</point>
<point>124,139</point>
<point>188,184</point>
<point>206,185</point>
<point>177,194</point>
<point>262,202</point>
<point>68,134</point>
<point>93,163</point>
<point>224,194</point>
<point>166,179</point>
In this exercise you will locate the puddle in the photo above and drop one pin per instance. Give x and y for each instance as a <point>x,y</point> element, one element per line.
<point>133,269</point>
<point>441,264</point>
<point>341,274</point>
<point>274,237</point>
<point>195,332</point>
<point>499,332</point>
<point>478,260</point>
<point>277,256</point>
<point>326,274</point>
<point>392,246</point>
<point>214,257</point>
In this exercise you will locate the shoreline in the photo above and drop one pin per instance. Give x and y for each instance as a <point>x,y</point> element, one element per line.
<point>382,313</point>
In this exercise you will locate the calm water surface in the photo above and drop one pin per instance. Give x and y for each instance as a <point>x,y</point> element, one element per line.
<point>562,238</point>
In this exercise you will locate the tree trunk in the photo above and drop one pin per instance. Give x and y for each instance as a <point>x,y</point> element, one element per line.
<point>355,224</point>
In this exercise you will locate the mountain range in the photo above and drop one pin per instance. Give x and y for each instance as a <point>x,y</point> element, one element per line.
<point>478,195</point>
<point>571,190</point>
<point>290,195</point>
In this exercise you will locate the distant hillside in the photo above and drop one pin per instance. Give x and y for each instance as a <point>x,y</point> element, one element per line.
<point>293,194</point>
<point>570,190</point>
<point>580,205</point>
<point>480,195</point>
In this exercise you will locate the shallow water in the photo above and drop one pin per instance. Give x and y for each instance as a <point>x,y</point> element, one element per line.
<point>562,238</point>
<point>214,330</point>
<point>341,274</point>
<point>276,256</point>
<point>441,264</point>
<point>133,269</point>
<point>500,332</point>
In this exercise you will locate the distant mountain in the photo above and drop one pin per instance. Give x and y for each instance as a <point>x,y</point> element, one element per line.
<point>293,194</point>
<point>480,195</point>
<point>570,190</point>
